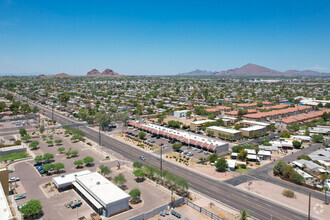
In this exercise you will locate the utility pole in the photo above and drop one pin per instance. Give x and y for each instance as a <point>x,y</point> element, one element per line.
<point>100,134</point>
<point>53,112</point>
<point>309,207</point>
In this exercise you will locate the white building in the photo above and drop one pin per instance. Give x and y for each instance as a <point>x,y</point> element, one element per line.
<point>101,194</point>
<point>65,181</point>
<point>180,114</point>
<point>113,199</point>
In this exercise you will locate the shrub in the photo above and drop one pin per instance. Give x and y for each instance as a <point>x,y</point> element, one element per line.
<point>288,193</point>
<point>243,166</point>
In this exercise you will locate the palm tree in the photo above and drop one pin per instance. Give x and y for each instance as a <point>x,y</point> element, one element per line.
<point>244,214</point>
<point>256,149</point>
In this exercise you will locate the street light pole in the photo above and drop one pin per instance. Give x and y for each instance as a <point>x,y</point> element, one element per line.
<point>99,134</point>
<point>53,112</point>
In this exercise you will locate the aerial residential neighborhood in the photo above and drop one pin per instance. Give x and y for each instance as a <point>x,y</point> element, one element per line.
<point>101,116</point>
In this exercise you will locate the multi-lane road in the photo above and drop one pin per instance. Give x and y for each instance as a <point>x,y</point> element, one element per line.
<point>227,194</point>
<point>258,207</point>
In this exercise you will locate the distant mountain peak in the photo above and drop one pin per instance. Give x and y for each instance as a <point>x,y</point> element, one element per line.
<point>93,72</point>
<point>197,72</point>
<point>106,72</point>
<point>251,69</point>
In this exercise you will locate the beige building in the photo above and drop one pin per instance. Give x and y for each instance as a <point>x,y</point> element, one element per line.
<point>253,131</point>
<point>224,133</point>
<point>197,125</point>
<point>4,180</point>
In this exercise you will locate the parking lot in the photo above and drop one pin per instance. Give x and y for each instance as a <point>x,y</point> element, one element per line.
<point>194,151</point>
<point>32,183</point>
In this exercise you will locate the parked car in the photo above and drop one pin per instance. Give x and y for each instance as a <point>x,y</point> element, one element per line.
<point>206,153</point>
<point>22,196</point>
<point>142,158</point>
<point>14,179</point>
<point>200,151</point>
<point>10,171</point>
<point>194,148</point>
<point>37,164</point>
<point>162,213</point>
<point>176,214</point>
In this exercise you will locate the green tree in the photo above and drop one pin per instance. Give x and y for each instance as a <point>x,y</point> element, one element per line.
<point>63,97</point>
<point>31,208</point>
<point>42,129</point>
<point>137,165</point>
<point>22,132</point>
<point>103,119</point>
<point>49,143</point>
<point>244,214</point>
<point>104,170</point>
<point>26,138</point>
<point>242,155</point>
<point>221,164</point>
<point>135,195</point>
<point>142,135</point>
<point>75,138</point>
<point>48,167</point>
<point>139,174</point>
<point>88,160</point>
<point>120,180</point>
<point>317,138</point>
<point>296,144</point>
<point>176,146</point>
<point>78,163</point>
<point>58,141</point>
<point>44,136</point>
<point>74,153</point>
<point>34,145</point>
<point>38,159</point>
<point>213,157</point>
<point>285,134</point>
<point>277,169</point>
<point>58,166</point>
<point>48,156</point>
<point>61,149</point>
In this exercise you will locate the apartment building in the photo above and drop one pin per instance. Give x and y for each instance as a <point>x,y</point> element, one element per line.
<point>278,114</point>
<point>253,131</point>
<point>224,132</point>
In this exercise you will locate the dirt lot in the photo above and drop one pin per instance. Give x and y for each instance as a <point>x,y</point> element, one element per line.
<point>300,203</point>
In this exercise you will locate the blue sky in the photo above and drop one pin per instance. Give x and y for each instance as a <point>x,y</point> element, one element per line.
<point>162,37</point>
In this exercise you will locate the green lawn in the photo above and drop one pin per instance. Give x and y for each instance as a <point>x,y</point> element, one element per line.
<point>14,156</point>
<point>240,170</point>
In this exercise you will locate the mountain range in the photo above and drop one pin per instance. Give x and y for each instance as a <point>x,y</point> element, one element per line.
<point>198,73</point>
<point>254,70</point>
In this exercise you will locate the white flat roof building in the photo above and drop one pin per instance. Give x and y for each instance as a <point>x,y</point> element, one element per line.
<point>5,213</point>
<point>111,197</point>
<point>255,122</point>
<point>67,180</point>
<point>222,129</point>
<point>253,128</point>
<point>201,122</point>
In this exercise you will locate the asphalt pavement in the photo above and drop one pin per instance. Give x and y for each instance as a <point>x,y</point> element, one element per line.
<point>258,207</point>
